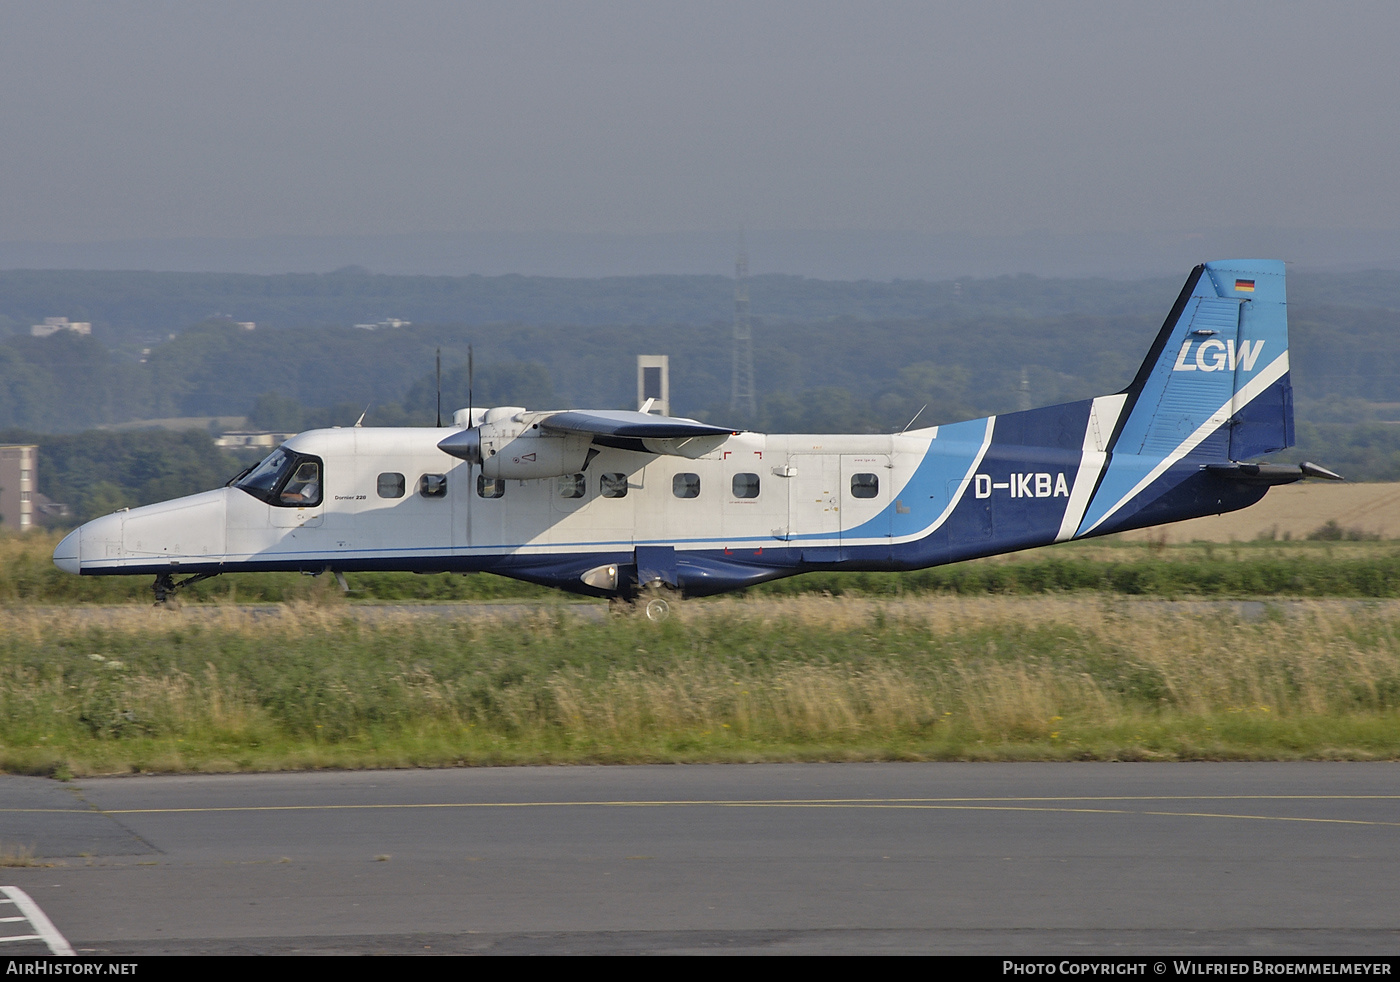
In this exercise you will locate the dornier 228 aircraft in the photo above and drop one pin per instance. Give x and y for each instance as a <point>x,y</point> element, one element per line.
<point>630,505</point>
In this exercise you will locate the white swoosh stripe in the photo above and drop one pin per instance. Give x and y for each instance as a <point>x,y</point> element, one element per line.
<point>1103,417</point>
<point>1245,395</point>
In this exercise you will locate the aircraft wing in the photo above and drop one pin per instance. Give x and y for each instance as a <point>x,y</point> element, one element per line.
<point>643,432</point>
<point>638,426</point>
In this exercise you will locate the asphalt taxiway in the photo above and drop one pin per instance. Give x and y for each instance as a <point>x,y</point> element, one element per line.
<point>1263,859</point>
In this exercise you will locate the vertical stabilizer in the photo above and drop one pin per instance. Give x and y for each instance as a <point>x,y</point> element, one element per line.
<point>1215,386</point>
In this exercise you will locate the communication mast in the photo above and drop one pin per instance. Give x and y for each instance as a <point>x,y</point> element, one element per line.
<point>741,399</point>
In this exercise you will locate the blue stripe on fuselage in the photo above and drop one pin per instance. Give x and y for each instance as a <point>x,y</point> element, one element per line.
<point>1017,495</point>
<point>942,473</point>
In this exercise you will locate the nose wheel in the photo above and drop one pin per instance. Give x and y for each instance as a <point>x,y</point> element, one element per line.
<point>165,586</point>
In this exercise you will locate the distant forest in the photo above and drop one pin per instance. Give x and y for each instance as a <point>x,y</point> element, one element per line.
<point>829,357</point>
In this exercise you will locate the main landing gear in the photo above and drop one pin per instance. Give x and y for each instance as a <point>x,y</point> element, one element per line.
<point>656,607</point>
<point>654,602</point>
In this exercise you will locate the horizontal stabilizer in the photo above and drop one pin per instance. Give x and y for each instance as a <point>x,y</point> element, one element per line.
<point>1271,473</point>
<point>1310,469</point>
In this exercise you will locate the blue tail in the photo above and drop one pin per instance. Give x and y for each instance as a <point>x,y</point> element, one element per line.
<point>1215,388</point>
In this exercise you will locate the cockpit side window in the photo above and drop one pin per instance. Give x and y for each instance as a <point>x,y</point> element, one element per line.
<point>286,479</point>
<point>262,479</point>
<point>303,488</point>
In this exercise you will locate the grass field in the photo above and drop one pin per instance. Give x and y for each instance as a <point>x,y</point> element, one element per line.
<point>806,678</point>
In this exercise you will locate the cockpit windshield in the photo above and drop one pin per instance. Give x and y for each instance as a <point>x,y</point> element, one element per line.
<point>284,478</point>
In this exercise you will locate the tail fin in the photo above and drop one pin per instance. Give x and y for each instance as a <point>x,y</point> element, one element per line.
<point>1215,387</point>
<point>1216,381</point>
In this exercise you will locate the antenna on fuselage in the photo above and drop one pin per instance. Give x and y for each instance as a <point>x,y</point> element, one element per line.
<point>916,416</point>
<point>471,376</point>
<point>439,387</point>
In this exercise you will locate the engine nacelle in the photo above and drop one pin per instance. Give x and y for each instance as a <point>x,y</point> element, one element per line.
<point>509,444</point>
<point>532,454</point>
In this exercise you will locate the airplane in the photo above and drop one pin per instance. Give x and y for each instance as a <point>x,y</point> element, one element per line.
<point>646,509</point>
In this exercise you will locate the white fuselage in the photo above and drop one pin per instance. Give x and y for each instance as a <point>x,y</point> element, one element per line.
<point>755,490</point>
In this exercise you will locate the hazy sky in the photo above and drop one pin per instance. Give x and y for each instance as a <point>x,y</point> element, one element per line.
<point>174,119</point>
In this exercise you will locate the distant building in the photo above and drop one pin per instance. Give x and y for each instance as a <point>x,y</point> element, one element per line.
<point>52,325</point>
<point>654,383</point>
<point>388,322</point>
<point>50,512</point>
<point>229,319</point>
<point>236,439</point>
<point>19,479</point>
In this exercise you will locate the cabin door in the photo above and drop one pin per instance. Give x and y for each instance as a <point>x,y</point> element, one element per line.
<point>814,497</point>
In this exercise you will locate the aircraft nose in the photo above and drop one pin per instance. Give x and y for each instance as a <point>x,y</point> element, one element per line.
<point>99,539</point>
<point>66,555</point>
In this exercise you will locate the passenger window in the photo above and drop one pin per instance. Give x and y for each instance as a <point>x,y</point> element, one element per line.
<point>304,486</point>
<point>746,485</point>
<point>572,486</point>
<point>686,485</point>
<point>865,485</point>
<point>391,485</point>
<point>433,485</point>
<point>613,485</point>
<point>490,487</point>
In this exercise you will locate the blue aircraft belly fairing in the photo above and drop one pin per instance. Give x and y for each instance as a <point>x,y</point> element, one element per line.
<point>696,574</point>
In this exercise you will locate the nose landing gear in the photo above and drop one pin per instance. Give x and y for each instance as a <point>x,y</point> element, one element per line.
<point>165,586</point>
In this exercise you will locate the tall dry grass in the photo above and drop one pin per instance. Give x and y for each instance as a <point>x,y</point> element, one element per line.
<point>736,679</point>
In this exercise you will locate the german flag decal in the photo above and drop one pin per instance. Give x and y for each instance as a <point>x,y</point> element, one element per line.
<point>1244,286</point>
